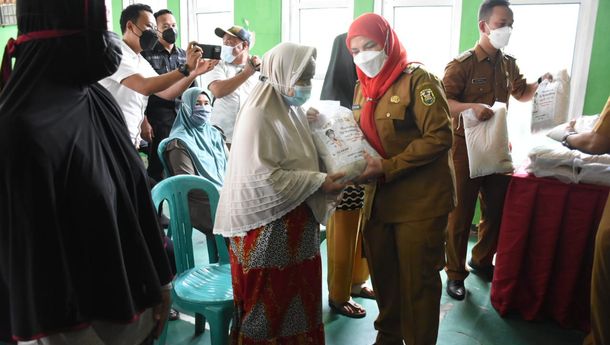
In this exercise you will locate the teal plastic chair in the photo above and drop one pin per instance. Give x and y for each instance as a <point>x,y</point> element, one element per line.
<point>205,290</point>
<point>161,154</point>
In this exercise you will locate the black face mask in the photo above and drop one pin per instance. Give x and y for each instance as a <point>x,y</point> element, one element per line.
<point>148,39</point>
<point>169,35</point>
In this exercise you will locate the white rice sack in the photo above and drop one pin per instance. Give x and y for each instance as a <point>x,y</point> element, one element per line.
<point>583,124</point>
<point>554,160</point>
<point>339,140</point>
<point>487,142</point>
<point>551,102</point>
<point>569,166</point>
<point>595,173</point>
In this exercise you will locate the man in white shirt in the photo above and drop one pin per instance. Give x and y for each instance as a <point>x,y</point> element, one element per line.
<point>233,78</point>
<point>135,79</point>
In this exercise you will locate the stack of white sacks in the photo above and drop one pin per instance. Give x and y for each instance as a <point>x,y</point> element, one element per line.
<point>550,158</point>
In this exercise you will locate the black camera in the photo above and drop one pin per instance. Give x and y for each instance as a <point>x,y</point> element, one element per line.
<point>210,51</point>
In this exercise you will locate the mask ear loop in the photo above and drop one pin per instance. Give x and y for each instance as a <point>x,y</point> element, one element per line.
<point>387,38</point>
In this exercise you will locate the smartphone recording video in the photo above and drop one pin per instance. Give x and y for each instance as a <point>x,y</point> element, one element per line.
<point>210,51</point>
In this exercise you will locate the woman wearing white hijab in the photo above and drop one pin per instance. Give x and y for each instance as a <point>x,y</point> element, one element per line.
<point>272,202</point>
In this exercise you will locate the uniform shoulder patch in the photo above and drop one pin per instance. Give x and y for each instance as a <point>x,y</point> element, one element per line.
<point>412,67</point>
<point>464,56</point>
<point>427,96</point>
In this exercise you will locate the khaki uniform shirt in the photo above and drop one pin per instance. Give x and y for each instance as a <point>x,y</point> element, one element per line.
<point>602,126</point>
<point>413,123</point>
<point>475,77</point>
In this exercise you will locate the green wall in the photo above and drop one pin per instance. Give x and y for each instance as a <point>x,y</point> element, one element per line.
<point>117,8</point>
<point>265,18</point>
<point>469,32</point>
<point>363,6</point>
<point>7,32</point>
<point>598,85</point>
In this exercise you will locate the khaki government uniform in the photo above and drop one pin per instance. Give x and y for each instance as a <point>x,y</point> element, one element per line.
<point>600,278</point>
<point>407,212</point>
<point>475,77</point>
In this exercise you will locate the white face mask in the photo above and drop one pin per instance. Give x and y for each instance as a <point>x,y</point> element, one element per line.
<point>226,53</point>
<point>499,37</point>
<point>370,62</point>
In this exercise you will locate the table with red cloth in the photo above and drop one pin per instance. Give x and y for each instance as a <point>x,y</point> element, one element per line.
<point>545,250</point>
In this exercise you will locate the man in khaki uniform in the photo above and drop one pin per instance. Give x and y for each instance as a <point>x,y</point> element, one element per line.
<point>598,142</point>
<point>476,79</point>
<point>403,113</point>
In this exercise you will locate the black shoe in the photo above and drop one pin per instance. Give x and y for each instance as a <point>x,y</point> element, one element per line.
<point>485,272</point>
<point>174,315</point>
<point>456,289</point>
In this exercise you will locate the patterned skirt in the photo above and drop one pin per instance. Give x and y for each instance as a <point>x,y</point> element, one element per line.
<point>352,199</point>
<point>277,282</point>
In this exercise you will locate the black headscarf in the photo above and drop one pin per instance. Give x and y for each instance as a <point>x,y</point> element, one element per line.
<point>341,77</point>
<point>79,238</point>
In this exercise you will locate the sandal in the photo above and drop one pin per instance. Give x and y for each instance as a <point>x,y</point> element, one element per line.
<point>365,292</point>
<point>174,315</point>
<point>349,309</point>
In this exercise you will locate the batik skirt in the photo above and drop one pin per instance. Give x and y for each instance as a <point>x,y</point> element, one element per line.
<point>277,282</point>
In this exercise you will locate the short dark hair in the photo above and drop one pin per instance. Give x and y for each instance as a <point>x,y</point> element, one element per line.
<point>162,12</point>
<point>487,8</point>
<point>131,13</point>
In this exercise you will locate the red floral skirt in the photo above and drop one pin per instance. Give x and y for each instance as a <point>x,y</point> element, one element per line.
<point>277,282</point>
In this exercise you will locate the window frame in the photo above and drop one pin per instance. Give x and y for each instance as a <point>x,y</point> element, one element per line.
<point>583,47</point>
<point>290,14</point>
<point>386,9</point>
<point>189,21</point>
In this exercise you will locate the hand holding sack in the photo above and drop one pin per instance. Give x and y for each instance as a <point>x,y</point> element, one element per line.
<point>487,142</point>
<point>339,141</point>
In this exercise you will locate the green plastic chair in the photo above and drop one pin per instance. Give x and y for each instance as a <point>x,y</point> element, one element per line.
<point>205,290</point>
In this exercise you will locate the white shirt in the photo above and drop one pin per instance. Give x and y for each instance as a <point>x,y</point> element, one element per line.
<point>131,102</point>
<point>226,108</point>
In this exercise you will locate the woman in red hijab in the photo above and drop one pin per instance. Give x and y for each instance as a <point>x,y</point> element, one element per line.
<point>403,113</point>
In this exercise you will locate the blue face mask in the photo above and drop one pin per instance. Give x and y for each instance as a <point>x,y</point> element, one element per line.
<point>201,114</point>
<point>301,95</point>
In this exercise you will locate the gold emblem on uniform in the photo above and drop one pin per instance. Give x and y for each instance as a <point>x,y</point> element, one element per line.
<point>427,97</point>
<point>395,99</point>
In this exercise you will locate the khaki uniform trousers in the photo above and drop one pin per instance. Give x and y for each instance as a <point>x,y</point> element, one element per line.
<point>600,284</point>
<point>491,189</point>
<point>405,260</point>
<point>346,266</point>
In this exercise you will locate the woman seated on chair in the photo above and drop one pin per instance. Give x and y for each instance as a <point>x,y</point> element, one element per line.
<point>272,204</point>
<point>196,147</point>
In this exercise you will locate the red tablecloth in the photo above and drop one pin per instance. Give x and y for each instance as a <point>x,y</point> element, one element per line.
<point>545,250</point>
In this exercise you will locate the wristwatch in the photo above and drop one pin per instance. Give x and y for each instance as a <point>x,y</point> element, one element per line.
<point>565,142</point>
<point>184,69</point>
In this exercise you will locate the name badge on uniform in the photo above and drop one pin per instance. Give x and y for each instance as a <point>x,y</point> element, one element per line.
<point>356,107</point>
<point>479,81</point>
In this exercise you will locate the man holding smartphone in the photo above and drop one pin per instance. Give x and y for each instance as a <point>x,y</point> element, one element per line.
<point>233,78</point>
<point>135,80</point>
<point>161,113</point>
